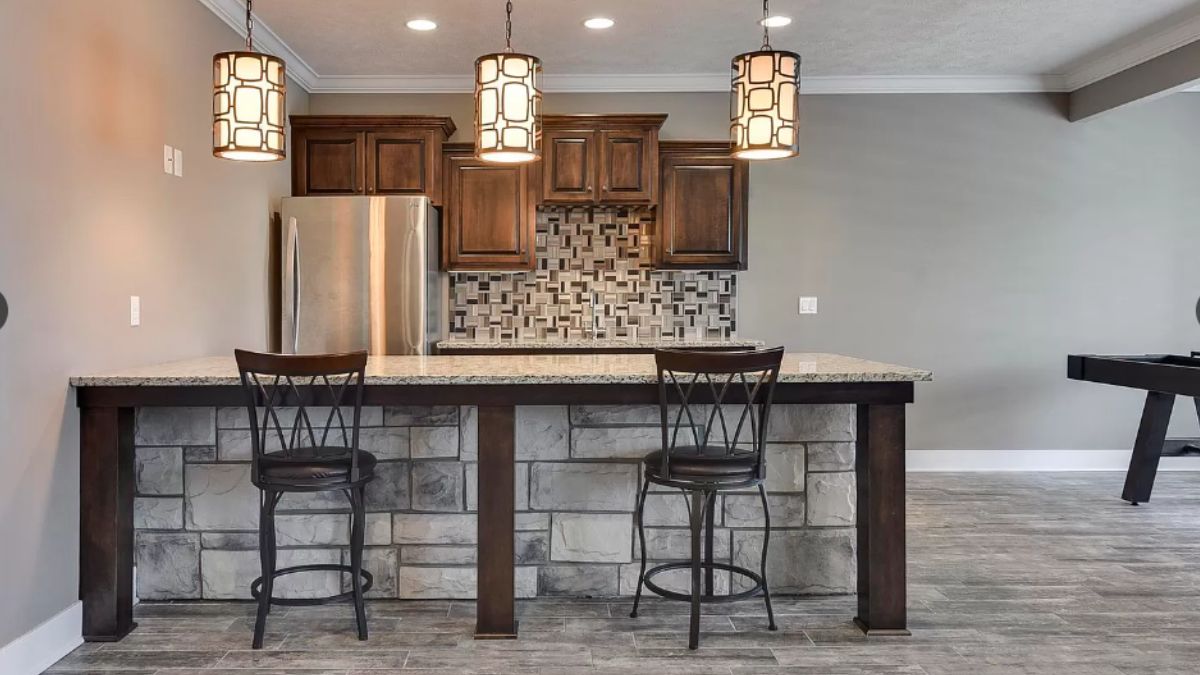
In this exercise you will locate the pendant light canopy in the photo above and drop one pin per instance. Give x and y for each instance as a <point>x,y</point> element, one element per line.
<point>508,104</point>
<point>249,103</point>
<point>764,101</point>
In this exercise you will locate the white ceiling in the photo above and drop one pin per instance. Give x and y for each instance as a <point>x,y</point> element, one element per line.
<point>985,45</point>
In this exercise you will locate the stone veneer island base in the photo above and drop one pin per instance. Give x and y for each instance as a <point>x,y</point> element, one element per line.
<point>166,486</point>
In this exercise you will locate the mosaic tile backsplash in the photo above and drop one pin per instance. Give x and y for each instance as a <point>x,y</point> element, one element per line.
<point>602,251</point>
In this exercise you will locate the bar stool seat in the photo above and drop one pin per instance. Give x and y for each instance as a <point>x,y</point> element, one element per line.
<point>314,467</point>
<point>710,462</point>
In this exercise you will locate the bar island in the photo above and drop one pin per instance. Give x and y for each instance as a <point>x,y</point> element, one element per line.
<point>499,477</point>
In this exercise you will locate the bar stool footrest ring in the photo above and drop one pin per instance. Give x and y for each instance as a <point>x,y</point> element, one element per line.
<point>686,597</point>
<point>256,585</point>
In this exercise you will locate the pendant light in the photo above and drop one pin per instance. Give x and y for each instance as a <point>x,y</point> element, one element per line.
<point>508,104</point>
<point>249,103</point>
<point>764,101</point>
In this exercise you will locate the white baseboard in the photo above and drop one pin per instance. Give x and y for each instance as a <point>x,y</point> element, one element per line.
<point>41,647</point>
<point>919,461</point>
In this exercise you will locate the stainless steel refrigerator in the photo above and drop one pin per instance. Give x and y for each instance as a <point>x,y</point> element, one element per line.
<point>360,273</point>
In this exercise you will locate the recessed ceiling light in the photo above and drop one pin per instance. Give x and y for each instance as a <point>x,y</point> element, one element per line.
<point>776,21</point>
<point>421,24</point>
<point>599,23</point>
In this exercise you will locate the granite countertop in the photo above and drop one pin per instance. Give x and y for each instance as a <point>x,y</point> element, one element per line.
<point>645,343</point>
<point>507,369</point>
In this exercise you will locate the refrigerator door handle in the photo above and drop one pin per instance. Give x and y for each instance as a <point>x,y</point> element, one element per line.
<point>292,285</point>
<point>410,340</point>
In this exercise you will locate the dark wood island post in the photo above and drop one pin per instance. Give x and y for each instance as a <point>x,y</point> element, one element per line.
<point>495,611</point>
<point>106,522</point>
<point>882,559</point>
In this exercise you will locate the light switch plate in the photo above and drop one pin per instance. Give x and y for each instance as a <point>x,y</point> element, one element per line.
<point>178,162</point>
<point>808,305</point>
<point>135,310</point>
<point>168,159</point>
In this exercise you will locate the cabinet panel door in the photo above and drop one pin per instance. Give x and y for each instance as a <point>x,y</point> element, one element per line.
<point>332,163</point>
<point>628,166</point>
<point>491,216</point>
<point>403,163</point>
<point>704,212</point>
<point>569,166</point>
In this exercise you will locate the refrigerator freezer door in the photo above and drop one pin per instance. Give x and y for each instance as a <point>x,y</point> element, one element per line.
<point>397,286</point>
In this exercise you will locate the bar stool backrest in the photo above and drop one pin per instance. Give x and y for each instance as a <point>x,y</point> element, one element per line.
<point>716,401</point>
<point>304,402</point>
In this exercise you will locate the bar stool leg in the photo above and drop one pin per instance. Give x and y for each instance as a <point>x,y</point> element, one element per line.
<point>708,542</point>
<point>699,499</point>
<point>762,491</point>
<point>357,502</point>
<point>641,506</point>
<point>266,556</point>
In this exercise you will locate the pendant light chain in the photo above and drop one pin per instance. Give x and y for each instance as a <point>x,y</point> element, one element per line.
<point>508,26</point>
<point>249,26</point>
<point>766,45</point>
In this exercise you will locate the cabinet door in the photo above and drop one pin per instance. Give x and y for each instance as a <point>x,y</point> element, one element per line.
<point>402,163</point>
<point>628,164</point>
<point>490,215</point>
<point>569,166</point>
<point>329,162</point>
<point>703,212</point>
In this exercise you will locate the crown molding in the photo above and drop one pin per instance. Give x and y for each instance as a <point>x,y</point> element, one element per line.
<point>233,13</point>
<point>1118,59</point>
<point>456,84</point>
<point>934,84</point>
<point>711,82</point>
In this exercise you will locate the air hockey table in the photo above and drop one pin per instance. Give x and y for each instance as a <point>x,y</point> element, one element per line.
<point>1162,377</point>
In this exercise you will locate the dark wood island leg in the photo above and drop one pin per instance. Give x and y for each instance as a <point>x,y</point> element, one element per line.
<point>106,478</point>
<point>495,608</point>
<point>879,465</point>
<point>1147,449</point>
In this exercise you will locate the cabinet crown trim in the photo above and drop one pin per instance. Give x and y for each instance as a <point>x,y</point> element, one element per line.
<point>724,148</point>
<point>370,122</point>
<point>603,120</point>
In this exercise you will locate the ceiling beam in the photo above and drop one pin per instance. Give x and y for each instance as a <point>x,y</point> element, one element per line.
<point>1176,70</point>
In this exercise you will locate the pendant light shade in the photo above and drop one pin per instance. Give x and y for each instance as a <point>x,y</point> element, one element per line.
<point>249,103</point>
<point>508,104</point>
<point>764,102</point>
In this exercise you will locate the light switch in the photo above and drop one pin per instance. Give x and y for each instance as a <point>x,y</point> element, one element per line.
<point>808,305</point>
<point>178,162</point>
<point>168,159</point>
<point>135,310</point>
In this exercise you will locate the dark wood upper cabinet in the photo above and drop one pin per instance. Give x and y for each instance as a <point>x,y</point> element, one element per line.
<point>569,160</point>
<point>327,162</point>
<point>600,159</point>
<point>702,222</point>
<point>403,163</point>
<point>491,213</point>
<point>628,164</point>
<point>368,155</point>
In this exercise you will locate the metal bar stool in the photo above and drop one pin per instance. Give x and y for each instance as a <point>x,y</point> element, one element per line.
<point>705,452</point>
<point>290,392</point>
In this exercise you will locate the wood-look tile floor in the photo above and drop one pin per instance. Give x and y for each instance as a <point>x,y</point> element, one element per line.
<point>1010,573</point>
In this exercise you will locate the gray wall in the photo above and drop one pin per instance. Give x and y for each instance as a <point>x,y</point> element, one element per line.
<point>87,218</point>
<point>981,236</point>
